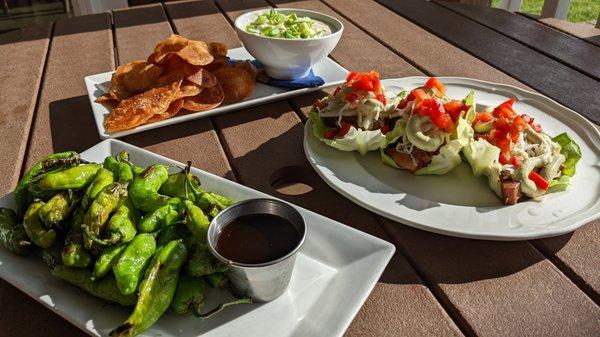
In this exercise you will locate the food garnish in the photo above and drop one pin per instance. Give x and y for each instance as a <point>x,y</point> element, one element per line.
<point>287,26</point>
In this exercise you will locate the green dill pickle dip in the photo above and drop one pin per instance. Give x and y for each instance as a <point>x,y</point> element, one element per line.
<point>287,26</point>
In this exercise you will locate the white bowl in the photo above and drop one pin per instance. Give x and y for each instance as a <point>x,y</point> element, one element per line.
<point>288,58</point>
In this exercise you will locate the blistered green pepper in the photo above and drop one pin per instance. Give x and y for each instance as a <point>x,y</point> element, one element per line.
<point>183,185</point>
<point>51,255</point>
<point>195,220</point>
<point>130,266</point>
<point>159,218</point>
<point>97,215</point>
<point>106,260</point>
<point>73,253</point>
<point>211,203</point>
<point>34,228</point>
<point>120,167</point>
<point>12,233</point>
<point>217,280</point>
<point>58,208</point>
<point>102,179</point>
<point>170,233</point>
<point>189,296</point>
<point>51,162</point>
<point>121,227</point>
<point>156,290</point>
<point>76,177</point>
<point>201,261</point>
<point>143,189</point>
<point>105,289</point>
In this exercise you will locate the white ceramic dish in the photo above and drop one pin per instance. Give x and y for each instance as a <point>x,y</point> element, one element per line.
<point>458,203</point>
<point>289,58</point>
<point>335,271</point>
<point>97,85</point>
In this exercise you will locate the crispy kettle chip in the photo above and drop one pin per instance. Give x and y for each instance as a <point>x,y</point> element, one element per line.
<point>173,109</point>
<point>208,99</point>
<point>188,89</point>
<point>141,76</point>
<point>217,48</point>
<point>203,78</point>
<point>192,51</point>
<point>237,83</point>
<point>140,108</point>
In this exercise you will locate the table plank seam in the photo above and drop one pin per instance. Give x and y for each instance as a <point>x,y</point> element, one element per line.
<point>113,30</point>
<point>37,101</point>
<point>540,50</point>
<point>564,268</point>
<point>408,60</point>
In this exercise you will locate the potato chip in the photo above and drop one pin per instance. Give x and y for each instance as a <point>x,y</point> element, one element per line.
<point>249,67</point>
<point>171,45</point>
<point>209,98</point>
<point>202,78</point>
<point>188,89</point>
<point>192,51</point>
<point>217,48</point>
<point>140,108</point>
<point>217,63</point>
<point>141,76</point>
<point>237,83</point>
<point>173,109</point>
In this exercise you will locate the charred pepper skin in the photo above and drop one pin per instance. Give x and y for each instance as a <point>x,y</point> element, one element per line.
<point>201,262</point>
<point>143,189</point>
<point>156,290</point>
<point>130,266</point>
<point>106,260</point>
<point>76,178</point>
<point>120,167</point>
<point>102,179</point>
<point>12,233</point>
<point>105,289</point>
<point>58,209</point>
<point>183,185</point>
<point>51,162</point>
<point>161,217</point>
<point>121,227</point>
<point>34,228</point>
<point>195,220</point>
<point>189,296</point>
<point>73,253</point>
<point>97,215</point>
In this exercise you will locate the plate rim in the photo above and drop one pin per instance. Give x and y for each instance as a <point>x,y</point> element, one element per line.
<point>383,249</point>
<point>98,118</point>
<point>591,131</point>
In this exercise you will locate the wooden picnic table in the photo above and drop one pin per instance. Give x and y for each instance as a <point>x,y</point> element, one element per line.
<point>435,284</point>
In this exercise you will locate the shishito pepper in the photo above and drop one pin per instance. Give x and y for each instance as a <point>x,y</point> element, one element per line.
<point>121,227</point>
<point>97,215</point>
<point>121,168</point>
<point>57,209</point>
<point>34,228</point>
<point>50,163</point>
<point>73,253</point>
<point>76,177</point>
<point>189,296</point>
<point>161,217</point>
<point>106,260</point>
<point>12,233</point>
<point>143,189</point>
<point>156,290</point>
<point>105,289</point>
<point>130,266</point>
<point>201,261</point>
<point>195,220</point>
<point>102,179</point>
<point>183,185</point>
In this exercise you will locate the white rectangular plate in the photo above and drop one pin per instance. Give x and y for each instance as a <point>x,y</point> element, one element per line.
<point>336,269</point>
<point>97,85</point>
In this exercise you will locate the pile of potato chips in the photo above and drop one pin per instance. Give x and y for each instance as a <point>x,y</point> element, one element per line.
<point>179,77</point>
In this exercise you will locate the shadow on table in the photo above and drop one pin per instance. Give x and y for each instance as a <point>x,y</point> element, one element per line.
<point>72,125</point>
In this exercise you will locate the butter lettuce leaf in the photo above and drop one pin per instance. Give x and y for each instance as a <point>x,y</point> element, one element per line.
<point>443,162</point>
<point>571,151</point>
<point>483,158</point>
<point>355,140</point>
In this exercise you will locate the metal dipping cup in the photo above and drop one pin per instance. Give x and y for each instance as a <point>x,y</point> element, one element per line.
<point>262,282</point>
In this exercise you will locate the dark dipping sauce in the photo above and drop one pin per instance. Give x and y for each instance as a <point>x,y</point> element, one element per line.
<point>257,238</point>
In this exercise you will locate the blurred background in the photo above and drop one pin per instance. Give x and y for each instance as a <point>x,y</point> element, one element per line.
<point>16,14</point>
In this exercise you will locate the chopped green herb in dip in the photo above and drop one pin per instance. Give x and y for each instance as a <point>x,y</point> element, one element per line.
<point>290,26</point>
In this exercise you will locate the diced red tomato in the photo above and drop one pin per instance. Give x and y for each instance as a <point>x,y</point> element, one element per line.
<point>433,109</point>
<point>362,83</point>
<point>515,161</point>
<point>330,134</point>
<point>483,117</point>
<point>505,109</point>
<point>418,95</point>
<point>351,97</point>
<point>381,98</point>
<point>434,83</point>
<point>454,108</point>
<point>385,129</point>
<point>504,159</point>
<point>538,180</point>
<point>344,128</point>
<point>351,76</point>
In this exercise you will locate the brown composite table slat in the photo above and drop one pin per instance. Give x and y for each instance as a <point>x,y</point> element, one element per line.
<point>465,308</point>
<point>583,31</point>
<point>268,139</point>
<point>19,87</point>
<point>80,46</point>
<point>550,77</point>
<point>137,30</point>
<point>579,256</point>
<point>558,45</point>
